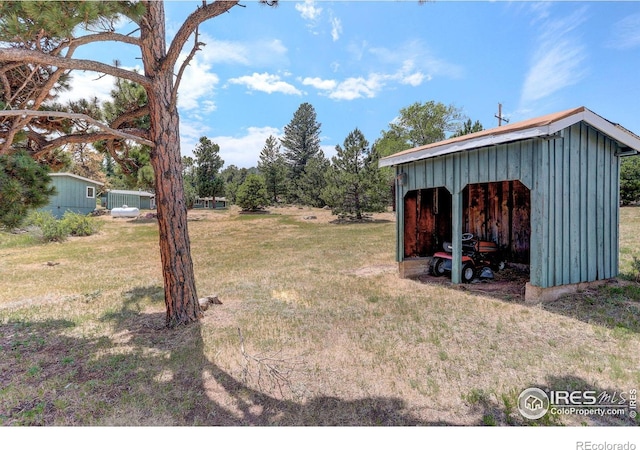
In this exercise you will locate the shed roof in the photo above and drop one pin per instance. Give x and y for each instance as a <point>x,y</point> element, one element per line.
<point>78,177</point>
<point>526,129</point>
<point>139,193</point>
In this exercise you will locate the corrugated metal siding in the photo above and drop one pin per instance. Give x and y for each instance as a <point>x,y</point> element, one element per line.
<point>71,196</point>
<point>117,200</point>
<point>575,209</point>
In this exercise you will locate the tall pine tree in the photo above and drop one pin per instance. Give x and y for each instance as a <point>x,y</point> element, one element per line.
<point>355,183</point>
<point>208,180</point>
<point>272,167</point>
<point>301,142</point>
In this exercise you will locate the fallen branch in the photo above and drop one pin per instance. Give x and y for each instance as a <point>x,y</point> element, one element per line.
<point>274,369</point>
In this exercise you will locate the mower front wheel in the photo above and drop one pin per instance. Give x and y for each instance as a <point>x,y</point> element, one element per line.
<point>437,267</point>
<point>468,272</point>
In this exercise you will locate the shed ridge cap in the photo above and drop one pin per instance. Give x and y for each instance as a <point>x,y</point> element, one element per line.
<point>538,126</point>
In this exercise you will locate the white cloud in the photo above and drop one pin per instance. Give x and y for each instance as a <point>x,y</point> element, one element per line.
<point>416,55</point>
<point>191,130</point>
<point>258,53</point>
<point>319,83</point>
<point>626,33</point>
<point>414,79</point>
<point>308,10</point>
<point>358,87</point>
<point>86,85</point>
<point>244,150</point>
<point>197,86</point>
<point>558,60</point>
<point>336,28</point>
<point>266,82</point>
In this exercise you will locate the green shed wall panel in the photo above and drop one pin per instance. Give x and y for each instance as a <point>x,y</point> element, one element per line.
<point>575,210</point>
<point>71,195</point>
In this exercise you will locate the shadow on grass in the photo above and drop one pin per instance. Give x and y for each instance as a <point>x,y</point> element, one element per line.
<point>347,221</point>
<point>615,305</point>
<point>139,373</point>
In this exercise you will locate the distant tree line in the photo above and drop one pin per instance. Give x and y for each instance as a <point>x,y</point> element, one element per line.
<point>291,169</point>
<point>294,170</point>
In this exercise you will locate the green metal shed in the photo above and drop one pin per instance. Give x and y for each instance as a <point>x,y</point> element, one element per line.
<point>73,193</point>
<point>546,190</point>
<point>139,199</point>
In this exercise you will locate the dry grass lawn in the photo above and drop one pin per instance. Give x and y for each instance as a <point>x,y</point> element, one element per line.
<point>315,328</point>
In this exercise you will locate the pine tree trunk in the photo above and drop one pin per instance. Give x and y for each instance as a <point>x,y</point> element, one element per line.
<point>175,250</point>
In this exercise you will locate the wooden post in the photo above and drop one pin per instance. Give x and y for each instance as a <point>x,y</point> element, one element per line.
<point>456,238</point>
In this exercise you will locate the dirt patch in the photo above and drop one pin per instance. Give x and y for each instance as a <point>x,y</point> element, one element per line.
<point>508,284</point>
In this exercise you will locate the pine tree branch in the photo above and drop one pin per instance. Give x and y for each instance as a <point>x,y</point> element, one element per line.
<point>107,131</point>
<point>36,57</point>
<point>189,26</point>
<point>196,46</point>
<point>125,117</point>
<point>105,36</point>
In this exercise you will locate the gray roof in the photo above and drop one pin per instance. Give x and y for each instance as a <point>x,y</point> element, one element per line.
<point>77,177</point>
<point>139,193</point>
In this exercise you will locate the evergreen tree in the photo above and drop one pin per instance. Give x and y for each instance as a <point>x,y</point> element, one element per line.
<point>630,180</point>
<point>301,142</point>
<point>468,128</point>
<point>252,194</point>
<point>233,179</point>
<point>24,185</point>
<point>128,109</point>
<point>312,181</point>
<point>355,183</point>
<point>272,167</point>
<point>189,180</point>
<point>208,161</point>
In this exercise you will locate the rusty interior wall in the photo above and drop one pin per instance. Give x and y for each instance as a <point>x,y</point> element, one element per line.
<point>498,212</point>
<point>427,221</point>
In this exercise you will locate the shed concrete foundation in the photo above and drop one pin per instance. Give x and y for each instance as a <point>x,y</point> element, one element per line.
<point>534,294</point>
<point>414,267</point>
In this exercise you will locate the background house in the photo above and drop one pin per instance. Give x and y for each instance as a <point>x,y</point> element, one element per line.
<point>139,199</point>
<point>73,193</point>
<point>546,190</point>
<point>210,203</point>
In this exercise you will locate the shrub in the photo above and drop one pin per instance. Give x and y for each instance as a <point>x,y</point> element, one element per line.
<point>52,230</point>
<point>78,224</point>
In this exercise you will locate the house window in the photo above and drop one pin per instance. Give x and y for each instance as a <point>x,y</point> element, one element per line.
<point>91,192</point>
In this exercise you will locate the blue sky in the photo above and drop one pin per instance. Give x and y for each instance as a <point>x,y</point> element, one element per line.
<point>359,62</point>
